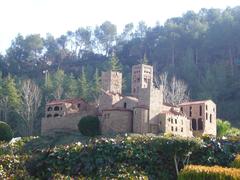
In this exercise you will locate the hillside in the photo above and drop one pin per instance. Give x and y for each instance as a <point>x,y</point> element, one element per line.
<point>202,49</point>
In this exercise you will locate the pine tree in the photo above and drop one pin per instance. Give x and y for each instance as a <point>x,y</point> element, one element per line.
<point>96,87</point>
<point>114,64</point>
<point>84,87</point>
<point>10,100</point>
<point>70,87</point>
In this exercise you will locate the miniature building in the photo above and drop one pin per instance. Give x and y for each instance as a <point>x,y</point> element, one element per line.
<point>64,115</point>
<point>142,74</point>
<point>202,115</point>
<point>143,112</point>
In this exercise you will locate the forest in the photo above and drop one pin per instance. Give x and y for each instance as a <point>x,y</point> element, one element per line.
<point>200,48</point>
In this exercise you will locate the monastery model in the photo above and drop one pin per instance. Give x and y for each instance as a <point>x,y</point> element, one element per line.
<point>143,112</point>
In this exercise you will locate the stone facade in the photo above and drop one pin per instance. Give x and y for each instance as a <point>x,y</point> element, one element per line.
<point>112,81</point>
<point>175,123</point>
<point>142,75</point>
<point>202,115</point>
<point>64,115</point>
<point>116,120</point>
<point>143,112</point>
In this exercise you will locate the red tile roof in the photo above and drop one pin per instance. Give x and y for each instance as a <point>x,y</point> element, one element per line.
<point>61,101</point>
<point>194,102</point>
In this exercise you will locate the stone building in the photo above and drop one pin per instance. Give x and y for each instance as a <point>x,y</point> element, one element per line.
<point>64,115</point>
<point>202,115</point>
<point>142,112</point>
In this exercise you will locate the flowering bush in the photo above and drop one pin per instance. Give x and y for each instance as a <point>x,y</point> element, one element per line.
<point>205,172</point>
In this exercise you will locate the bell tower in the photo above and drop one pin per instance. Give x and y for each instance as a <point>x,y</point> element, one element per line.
<point>112,82</point>
<point>142,76</point>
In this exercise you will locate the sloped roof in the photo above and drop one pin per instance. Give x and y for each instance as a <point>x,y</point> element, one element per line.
<point>61,101</point>
<point>195,102</point>
<point>174,112</point>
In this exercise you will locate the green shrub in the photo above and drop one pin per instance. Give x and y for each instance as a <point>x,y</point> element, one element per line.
<point>13,167</point>
<point>194,172</point>
<point>6,133</point>
<point>236,162</point>
<point>224,128</point>
<point>89,126</point>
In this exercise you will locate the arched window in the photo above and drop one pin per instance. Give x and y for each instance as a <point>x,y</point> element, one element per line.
<point>56,108</point>
<point>210,118</point>
<point>200,124</point>
<point>194,124</point>
<point>49,115</point>
<point>125,105</point>
<point>200,110</point>
<point>56,115</point>
<point>49,108</point>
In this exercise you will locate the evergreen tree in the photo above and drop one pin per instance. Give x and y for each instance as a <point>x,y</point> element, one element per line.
<point>114,63</point>
<point>96,87</point>
<point>70,87</point>
<point>84,86</point>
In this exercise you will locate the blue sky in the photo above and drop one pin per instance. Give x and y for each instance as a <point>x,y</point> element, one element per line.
<point>58,16</point>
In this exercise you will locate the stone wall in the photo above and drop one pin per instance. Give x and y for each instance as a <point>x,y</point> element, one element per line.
<point>175,124</point>
<point>112,81</point>
<point>106,100</point>
<point>126,102</point>
<point>140,120</point>
<point>116,121</point>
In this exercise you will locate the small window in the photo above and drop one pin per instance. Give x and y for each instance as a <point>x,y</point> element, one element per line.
<point>176,129</point>
<point>213,109</point>
<point>169,119</point>
<point>210,118</point>
<point>200,124</point>
<point>200,110</point>
<point>172,120</point>
<point>206,107</point>
<point>194,124</point>
<point>49,108</point>
<point>49,115</point>
<point>190,111</point>
<point>125,105</point>
<point>56,115</point>
<point>181,129</point>
<point>56,108</point>
<point>172,128</point>
<point>175,121</point>
<point>181,109</point>
<point>79,105</point>
<point>206,116</point>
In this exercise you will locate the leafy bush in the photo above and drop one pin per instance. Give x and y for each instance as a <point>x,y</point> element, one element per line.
<point>236,162</point>
<point>13,167</point>
<point>206,172</point>
<point>89,126</point>
<point>224,128</point>
<point>106,157</point>
<point>6,133</point>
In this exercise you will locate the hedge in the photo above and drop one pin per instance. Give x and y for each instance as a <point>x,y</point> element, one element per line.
<point>197,172</point>
<point>6,133</point>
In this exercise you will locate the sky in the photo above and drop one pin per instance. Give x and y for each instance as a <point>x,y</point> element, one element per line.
<point>58,16</point>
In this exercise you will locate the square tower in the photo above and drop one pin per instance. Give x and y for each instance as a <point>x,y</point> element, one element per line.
<point>112,81</point>
<point>142,75</point>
